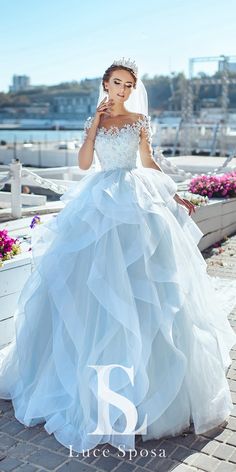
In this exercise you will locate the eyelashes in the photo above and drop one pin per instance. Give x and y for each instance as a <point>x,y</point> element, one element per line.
<point>118,83</point>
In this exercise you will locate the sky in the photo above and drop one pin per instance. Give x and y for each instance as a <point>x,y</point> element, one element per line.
<point>55,41</point>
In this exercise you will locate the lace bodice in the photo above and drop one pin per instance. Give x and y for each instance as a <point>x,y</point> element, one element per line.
<point>117,147</point>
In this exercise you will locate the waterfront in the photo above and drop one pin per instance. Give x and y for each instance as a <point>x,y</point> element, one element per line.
<point>42,136</point>
<point>175,138</point>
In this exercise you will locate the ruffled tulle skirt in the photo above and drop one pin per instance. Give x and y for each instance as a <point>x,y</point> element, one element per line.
<point>119,280</point>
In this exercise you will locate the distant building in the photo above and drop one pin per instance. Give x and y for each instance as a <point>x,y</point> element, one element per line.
<point>75,105</point>
<point>20,82</point>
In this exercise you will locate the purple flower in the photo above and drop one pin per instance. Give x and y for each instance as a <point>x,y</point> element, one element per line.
<point>35,220</point>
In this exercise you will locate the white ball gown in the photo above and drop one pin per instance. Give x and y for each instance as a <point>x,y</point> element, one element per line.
<point>119,279</point>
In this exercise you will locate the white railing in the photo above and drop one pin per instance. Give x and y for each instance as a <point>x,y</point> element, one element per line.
<point>173,169</point>
<point>15,176</point>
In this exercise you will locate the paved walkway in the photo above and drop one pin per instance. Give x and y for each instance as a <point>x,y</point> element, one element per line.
<point>32,449</point>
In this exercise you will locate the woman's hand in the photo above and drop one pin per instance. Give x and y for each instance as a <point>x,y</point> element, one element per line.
<point>186,203</point>
<point>104,108</point>
<point>86,151</point>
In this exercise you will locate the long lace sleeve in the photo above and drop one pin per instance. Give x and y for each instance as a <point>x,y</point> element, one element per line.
<point>87,125</point>
<point>146,128</point>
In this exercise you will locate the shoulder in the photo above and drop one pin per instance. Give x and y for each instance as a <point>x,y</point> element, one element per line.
<point>139,116</point>
<point>88,122</point>
<point>144,117</point>
<point>141,120</point>
<point>144,121</point>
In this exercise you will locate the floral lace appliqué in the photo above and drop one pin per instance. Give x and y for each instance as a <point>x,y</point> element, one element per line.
<point>140,123</point>
<point>117,147</point>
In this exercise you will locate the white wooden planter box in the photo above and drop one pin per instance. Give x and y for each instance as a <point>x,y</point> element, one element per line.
<point>216,220</point>
<point>13,276</point>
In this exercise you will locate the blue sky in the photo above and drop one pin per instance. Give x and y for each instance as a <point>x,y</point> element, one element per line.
<point>61,40</point>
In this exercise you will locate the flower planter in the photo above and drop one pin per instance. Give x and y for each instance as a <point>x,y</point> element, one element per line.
<point>216,220</point>
<point>13,276</point>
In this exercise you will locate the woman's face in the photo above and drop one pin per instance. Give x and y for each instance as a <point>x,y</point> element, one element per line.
<point>120,85</point>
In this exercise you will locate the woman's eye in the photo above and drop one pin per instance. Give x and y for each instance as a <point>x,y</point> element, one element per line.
<point>118,83</point>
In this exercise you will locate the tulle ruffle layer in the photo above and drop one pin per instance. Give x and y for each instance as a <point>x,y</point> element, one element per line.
<point>119,279</point>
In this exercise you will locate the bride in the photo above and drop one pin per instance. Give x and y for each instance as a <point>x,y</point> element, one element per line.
<point>120,330</point>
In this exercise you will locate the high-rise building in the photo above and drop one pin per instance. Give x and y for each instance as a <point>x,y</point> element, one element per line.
<point>19,82</point>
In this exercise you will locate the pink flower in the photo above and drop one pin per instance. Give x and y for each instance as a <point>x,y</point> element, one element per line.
<point>8,246</point>
<point>214,186</point>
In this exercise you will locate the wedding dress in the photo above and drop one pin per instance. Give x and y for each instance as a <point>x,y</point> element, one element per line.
<point>118,279</point>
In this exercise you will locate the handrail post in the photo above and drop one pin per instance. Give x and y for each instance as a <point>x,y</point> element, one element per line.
<point>16,170</point>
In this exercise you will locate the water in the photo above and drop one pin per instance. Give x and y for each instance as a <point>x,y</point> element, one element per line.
<point>21,136</point>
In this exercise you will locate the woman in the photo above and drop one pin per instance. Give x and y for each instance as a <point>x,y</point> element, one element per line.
<point>120,330</point>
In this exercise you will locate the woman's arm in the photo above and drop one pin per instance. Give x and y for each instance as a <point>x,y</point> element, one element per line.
<point>85,154</point>
<point>145,145</point>
<point>146,155</point>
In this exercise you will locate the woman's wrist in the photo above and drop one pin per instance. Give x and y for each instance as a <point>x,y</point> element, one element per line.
<point>96,120</point>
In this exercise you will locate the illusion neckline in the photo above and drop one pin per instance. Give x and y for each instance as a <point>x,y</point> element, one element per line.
<point>113,129</point>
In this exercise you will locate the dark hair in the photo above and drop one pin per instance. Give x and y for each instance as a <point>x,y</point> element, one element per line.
<point>112,68</point>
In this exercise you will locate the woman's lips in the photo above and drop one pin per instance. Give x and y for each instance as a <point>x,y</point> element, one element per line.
<point>120,95</point>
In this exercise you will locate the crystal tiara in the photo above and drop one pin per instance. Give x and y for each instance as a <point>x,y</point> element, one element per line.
<point>127,63</point>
